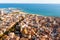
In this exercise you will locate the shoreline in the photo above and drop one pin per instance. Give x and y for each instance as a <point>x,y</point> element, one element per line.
<point>26,12</point>
<point>37,14</point>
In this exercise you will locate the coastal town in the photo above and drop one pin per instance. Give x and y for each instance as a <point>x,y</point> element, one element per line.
<point>18,25</point>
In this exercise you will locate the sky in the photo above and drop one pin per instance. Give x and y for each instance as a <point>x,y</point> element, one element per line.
<point>30,1</point>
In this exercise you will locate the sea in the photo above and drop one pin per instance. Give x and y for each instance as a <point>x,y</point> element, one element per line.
<point>40,9</point>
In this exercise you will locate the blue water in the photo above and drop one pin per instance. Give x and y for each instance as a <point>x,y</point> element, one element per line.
<point>41,9</point>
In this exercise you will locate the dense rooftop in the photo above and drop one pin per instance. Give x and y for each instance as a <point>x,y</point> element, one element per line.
<point>17,25</point>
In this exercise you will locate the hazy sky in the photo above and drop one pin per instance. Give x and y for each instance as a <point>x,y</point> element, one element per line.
<point>29,1</point>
